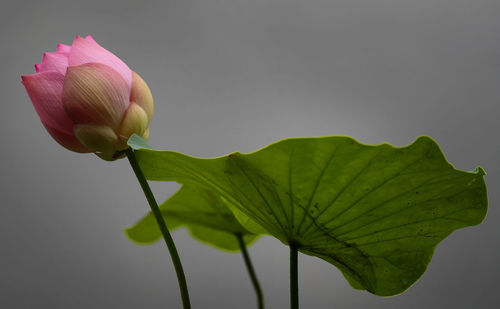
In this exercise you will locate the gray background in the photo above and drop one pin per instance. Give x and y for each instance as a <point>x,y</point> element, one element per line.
<point>237,75</point>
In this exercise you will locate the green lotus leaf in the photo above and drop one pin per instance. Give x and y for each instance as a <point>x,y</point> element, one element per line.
<point>375,212</point>
<point>202,212</point>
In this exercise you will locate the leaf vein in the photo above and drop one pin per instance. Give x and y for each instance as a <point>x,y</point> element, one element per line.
<point>316,185</point>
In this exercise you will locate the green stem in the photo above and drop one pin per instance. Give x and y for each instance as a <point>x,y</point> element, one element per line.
<point>163,227</point>
<point>294,277</point>
<point>251,272</point>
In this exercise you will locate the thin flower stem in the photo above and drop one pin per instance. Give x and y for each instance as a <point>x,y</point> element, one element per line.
<point>181,278</point>
<point>251,272</point>
<point>294,278</point>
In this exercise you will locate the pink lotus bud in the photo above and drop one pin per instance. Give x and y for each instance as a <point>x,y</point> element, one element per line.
<point>89,100</point>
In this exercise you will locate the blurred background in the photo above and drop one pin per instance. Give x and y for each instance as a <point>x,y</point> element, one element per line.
<point>233,75</point>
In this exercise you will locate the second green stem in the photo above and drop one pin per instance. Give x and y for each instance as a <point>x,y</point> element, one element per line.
<point>251,272</point>
<point>294,277</point>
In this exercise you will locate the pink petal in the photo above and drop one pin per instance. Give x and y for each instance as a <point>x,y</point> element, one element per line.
<point>57,61</point>
<point>94,93</point>
<point>90,39</point>
<point>63,48</point>
<point>45,91</point>
<point>68,141</point>
<point>86,51</point>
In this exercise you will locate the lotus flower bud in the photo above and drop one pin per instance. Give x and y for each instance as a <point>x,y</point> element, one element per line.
<point>89,100</point>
